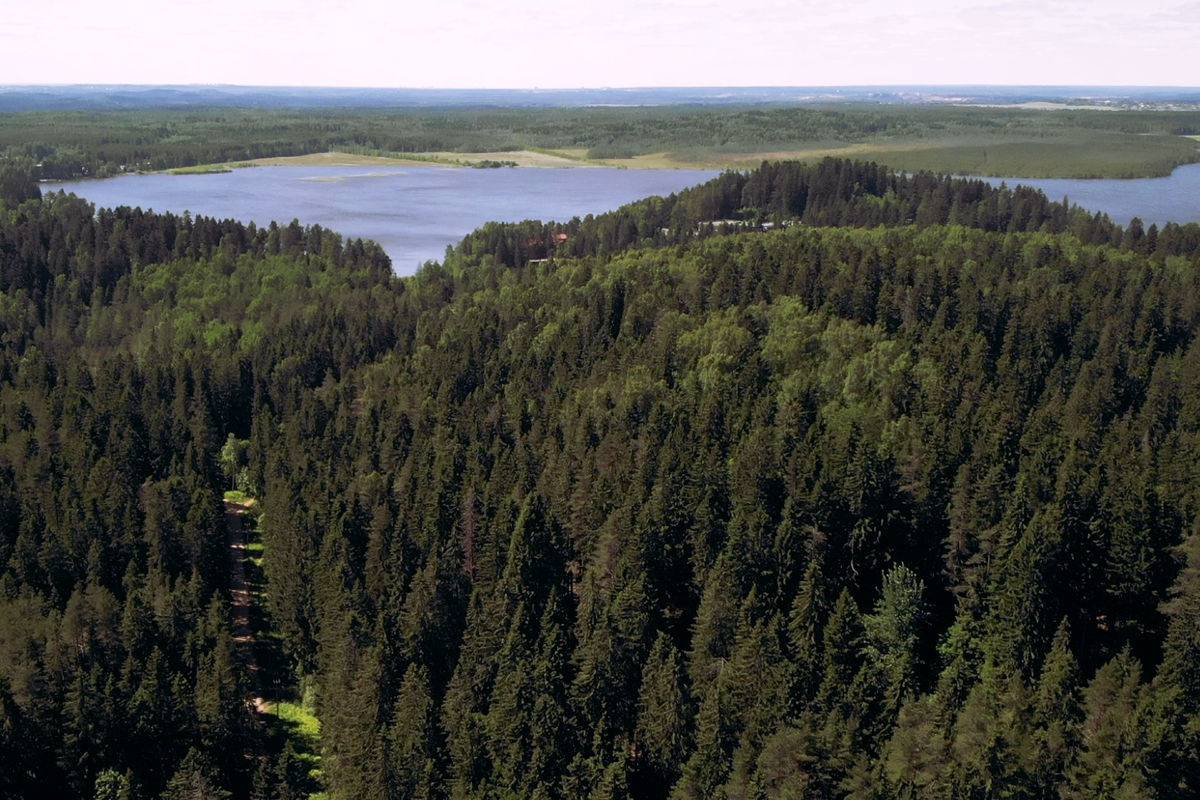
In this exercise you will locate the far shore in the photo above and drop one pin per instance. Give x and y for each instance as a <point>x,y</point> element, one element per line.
<point>1043,105</point>
<point>563,159</point>
<point>944,155</point>
<point>331,159</point>
<point>521,158</point>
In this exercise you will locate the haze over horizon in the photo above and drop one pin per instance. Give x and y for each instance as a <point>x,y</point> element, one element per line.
<point>621,43</point>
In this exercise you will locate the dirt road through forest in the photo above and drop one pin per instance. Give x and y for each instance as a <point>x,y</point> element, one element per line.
<point>243,633</point>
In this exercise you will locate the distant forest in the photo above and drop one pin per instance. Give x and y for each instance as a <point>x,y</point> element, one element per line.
<point>817,481</point>
<point>984,141</point>
<point>98,97</point>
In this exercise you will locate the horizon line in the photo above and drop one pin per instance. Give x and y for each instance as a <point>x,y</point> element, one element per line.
<point>600,88</point>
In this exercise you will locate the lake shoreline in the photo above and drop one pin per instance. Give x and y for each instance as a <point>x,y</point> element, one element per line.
<point>414,211</point>
<point>939,156</point>
<point>898,155</point>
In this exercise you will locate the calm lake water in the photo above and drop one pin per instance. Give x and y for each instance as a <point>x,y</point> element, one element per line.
<point>413,212</point>
<point>1175,198</point>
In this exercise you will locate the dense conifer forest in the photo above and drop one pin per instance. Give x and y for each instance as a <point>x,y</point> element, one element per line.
<point>1070,143</point>
<point>818,481</point>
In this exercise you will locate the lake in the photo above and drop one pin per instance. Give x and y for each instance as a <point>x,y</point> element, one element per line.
<point>414,212</point>
<point>1175,198</point>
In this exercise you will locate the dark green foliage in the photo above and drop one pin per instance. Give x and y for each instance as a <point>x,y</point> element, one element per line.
<point>194,781</point>
<point>884,509</point>
<point>1133,143</point>
<point>412,761</point>
<point>111,785</point>
<point>664,727</point>
<point>16,187</point>
<point>127,342</point>
<point>831,192</point>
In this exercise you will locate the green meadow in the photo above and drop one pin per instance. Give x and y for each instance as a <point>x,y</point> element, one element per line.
<point>1019,142</point>
<point>1083,154</point>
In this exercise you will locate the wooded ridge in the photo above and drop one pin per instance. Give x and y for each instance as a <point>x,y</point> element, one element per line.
<point>896,498</point>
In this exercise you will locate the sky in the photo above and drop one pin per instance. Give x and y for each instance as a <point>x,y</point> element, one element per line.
<point>613,43</point>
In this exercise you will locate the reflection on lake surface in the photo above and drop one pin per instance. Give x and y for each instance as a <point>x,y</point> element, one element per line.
<point>413,212</point>
<point>1175,198</point>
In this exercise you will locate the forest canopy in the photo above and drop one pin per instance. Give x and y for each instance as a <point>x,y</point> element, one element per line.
<point>1030,143</point>
<point>814,481</point>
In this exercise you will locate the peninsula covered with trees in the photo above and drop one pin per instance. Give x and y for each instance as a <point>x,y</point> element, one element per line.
<point>814,481</point>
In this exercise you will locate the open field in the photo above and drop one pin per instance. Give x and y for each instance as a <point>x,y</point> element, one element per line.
<point>1085,156</point>
<point>1110,156</point>
<point>200,169</point>
<point>522,158</point>
<point>330,159</point>
<point>1042,105</point>
<point>699,158</point>
<point>1029,141</point>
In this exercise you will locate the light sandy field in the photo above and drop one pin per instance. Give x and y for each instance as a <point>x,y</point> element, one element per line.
<point>1042,105</point>
<point>523,158</point>
<point>324,160</point>
<point>573,153</point>
<point>577,158</point>
<point>574,159</point>
<point>964,157</point>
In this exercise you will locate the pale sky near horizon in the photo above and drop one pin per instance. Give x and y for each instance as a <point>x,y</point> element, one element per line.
<point>617,43</point>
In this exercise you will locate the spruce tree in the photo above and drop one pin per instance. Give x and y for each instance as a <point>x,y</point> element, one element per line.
<point>664,724</point>
<point>411,760</point>
<point>1110,759</point>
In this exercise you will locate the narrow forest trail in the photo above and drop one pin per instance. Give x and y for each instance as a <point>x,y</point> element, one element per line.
<point>243,633</point>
